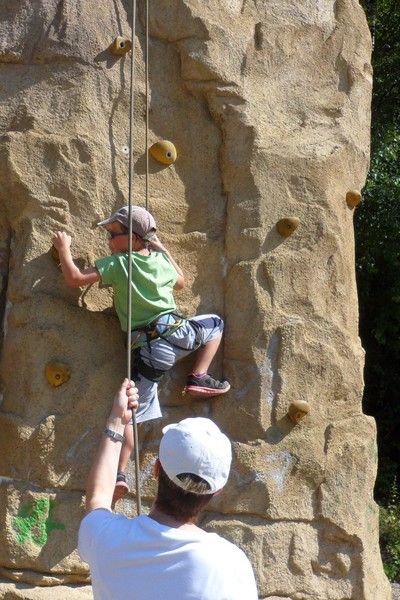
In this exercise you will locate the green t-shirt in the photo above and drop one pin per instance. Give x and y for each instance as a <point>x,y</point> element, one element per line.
<point>153,280</point>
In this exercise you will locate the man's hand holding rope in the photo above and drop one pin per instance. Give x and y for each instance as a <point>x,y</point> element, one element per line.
<point>101,481</point>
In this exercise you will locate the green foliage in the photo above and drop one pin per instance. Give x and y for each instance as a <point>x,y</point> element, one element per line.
<point>384,20</point>
<point>377,232</point>
<point>389,523</point>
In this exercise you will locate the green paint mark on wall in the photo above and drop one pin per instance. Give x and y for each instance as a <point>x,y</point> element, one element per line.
<point>34,523</point>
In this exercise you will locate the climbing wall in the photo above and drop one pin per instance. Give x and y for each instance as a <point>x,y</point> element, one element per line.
<point>267,103</point>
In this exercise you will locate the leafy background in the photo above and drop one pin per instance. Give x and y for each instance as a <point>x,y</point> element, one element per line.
<point>377,233</point>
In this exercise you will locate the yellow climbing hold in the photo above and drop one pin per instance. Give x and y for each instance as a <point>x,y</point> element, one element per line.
<point>57,374</point>
<point>353,198</point>
<point>298,410</point>
<point>121,45</point>
<point>287,226</point>
<point>164,151</point>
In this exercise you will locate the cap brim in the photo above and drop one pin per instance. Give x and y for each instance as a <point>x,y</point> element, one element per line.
<point>105,222</point>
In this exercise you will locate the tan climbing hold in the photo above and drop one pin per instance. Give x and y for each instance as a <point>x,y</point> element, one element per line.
<point>163,151</point>
<point>121,45</point>
<point>288,226</point>
<point>353,198</point>
<point>54,254</point>
<point>298,410</point>
<point>57,374</point>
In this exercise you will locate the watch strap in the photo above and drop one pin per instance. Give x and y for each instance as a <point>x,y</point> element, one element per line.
<point>113,435</point>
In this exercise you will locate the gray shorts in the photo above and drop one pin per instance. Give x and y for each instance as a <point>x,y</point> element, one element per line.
<point>164,353</point>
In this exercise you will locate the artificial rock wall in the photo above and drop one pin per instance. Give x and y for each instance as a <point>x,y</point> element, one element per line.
<point>267,102</point>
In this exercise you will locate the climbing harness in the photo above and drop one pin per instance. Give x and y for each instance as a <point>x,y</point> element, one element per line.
<point>160,328</point>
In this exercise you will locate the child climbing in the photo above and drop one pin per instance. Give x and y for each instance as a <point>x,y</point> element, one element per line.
<point>159,336</point>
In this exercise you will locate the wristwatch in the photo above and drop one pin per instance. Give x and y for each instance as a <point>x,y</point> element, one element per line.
<point>113,435</point>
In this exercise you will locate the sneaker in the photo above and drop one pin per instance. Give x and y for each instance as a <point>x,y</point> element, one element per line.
<point>205,387</point>
<point>121,488</point>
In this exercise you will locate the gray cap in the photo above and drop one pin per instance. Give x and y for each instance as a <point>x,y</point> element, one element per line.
<point>143,223</point>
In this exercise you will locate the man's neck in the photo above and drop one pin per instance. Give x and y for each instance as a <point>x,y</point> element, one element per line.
<point>163,519</point>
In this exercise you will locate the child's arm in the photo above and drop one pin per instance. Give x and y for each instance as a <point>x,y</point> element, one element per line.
<point>159,247</point>
<point>73,275</point>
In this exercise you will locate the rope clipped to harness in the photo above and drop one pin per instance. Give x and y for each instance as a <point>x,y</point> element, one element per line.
<point>131,181</point>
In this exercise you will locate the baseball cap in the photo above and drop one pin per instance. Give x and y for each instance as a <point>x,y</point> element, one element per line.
<point>143,223</point>
<point>196,446</point>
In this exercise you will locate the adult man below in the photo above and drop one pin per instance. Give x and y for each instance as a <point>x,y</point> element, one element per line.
<point>163,555</point>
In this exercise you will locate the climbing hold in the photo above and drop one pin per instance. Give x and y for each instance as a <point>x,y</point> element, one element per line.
<point>163,151</point>
<point>353,198</point>
<point>121,45</point>
<point>288,226</point>
<point>54,254</point>
<point>297,410</point>
<point>57,374</point>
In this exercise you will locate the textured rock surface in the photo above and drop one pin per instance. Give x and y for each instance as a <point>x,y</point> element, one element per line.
<point>267,103</point>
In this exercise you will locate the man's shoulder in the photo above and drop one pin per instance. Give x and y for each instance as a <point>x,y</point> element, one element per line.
<point>213,542</point>
<point>96,516</point>
<point>102,524</point>
<point>99,519</point>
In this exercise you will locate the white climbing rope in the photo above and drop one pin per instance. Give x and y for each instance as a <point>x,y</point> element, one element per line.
<point>146,59</point>
<point>130,197</point>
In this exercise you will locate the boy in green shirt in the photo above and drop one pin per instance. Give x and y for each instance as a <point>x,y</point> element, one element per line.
<point>159,336</point>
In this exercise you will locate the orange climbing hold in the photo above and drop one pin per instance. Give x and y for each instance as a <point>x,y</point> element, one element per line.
<point>353,198</point>
<point>287,226</point>
<point>164,151</point>
<point>57,374</point>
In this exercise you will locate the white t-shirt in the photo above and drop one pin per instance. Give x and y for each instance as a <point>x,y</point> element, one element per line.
<point>139,559</point>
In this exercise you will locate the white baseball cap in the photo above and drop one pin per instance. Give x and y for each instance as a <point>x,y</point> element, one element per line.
<point>196,446</point>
